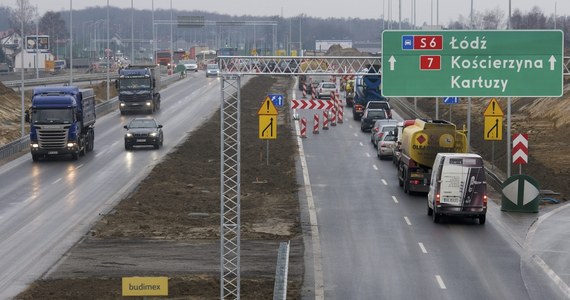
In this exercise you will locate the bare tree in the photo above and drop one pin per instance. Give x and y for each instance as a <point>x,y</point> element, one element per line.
<point>493,19</point>
<point>53,25</point>
<point>24,12</point>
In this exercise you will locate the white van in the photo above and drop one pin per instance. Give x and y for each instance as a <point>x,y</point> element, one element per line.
<point>457,187</point>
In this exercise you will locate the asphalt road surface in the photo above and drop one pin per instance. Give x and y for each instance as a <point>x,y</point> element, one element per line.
<point>46,207</point>
<point>378,243</point>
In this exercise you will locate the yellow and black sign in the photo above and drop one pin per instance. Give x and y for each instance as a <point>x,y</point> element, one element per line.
<point>267,108</point>
<point>493,128</point>
<point>268,127</point>
<point>267,120</point>
<point>145,286</point>
<point>493,109</point>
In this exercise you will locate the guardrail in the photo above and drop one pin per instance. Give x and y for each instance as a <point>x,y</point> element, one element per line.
<point>106,107</point>
<point>60,79</point>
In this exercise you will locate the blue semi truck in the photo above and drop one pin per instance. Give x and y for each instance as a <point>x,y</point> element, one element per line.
<point>61,122</point>
<point>367,87</point>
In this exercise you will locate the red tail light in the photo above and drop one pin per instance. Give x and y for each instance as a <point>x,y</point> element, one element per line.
<point>380,135</point>
<point>376,129</point>
<point>437,199</point>
<point>415,182</point>
<point>382,145</point>
<point>484,200</point>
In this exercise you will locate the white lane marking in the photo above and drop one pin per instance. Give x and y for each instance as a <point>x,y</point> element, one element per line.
<point>361,144</point>
<point>113,144</point>
<point>315,240</point>
<point>440,282</point>
<point>79,167</point>
<point>355,134</point>
<point>408,221</point>
<point>57,181</point>
<point>422,247</point>
<point>375,167</point>
<point>350,126</point>
<point>394,198</point>
<point>384,182</point>
<point>367,154</point>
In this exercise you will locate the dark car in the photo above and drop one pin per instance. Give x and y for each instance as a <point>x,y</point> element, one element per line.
<point>385,105</point>
<point>370,116</point>
<point>143,131</point>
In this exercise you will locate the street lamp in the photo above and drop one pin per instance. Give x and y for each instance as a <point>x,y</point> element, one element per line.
<point>70,42</point>
<point>108,54</point>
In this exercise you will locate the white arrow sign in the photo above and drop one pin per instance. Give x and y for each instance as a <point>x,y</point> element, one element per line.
<point>552,60</point>
<point>392,61</point>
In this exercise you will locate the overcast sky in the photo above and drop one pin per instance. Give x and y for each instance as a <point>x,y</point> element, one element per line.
<point>448,9</point>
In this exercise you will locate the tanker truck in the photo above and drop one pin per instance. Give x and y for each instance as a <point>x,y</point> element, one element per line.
<point>420,143</point>
<point>61,122</point>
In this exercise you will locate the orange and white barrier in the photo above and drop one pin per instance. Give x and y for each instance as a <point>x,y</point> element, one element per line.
<point>316,124</point>
<point>325,119</point>
<point>304,127</point>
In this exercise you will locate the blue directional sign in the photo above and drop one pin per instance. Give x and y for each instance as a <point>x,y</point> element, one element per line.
<point>277,99</point>
<point>450,100</point>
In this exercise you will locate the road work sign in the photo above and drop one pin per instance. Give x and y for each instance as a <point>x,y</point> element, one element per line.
<point>472,63</point>
<point>267,120</point>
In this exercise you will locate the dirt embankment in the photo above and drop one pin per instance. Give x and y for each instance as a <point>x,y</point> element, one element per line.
<point>170,225</point>
<point>545,120</point>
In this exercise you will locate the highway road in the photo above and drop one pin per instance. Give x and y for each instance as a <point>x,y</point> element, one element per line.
<point>47,207</point>
<point>376,242</point>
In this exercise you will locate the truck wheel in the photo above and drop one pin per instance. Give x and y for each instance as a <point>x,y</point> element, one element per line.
<point>429,209</point>
<point>74,156</point>
<point>36,157</point>
<point>482,219</point>
<point>128,147</point>
<point>156,146</point>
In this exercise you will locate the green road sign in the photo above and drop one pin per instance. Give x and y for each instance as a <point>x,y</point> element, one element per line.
<point>497,63</point>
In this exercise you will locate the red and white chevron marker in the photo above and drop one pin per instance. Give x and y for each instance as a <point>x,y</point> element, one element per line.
<point>325,119</point>
<point>316,124</point>
<point>311,104</point>
<point>520,148</point>
<point>303,127</point>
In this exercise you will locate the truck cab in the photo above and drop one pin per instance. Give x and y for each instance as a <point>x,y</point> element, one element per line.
<point>138,89</point>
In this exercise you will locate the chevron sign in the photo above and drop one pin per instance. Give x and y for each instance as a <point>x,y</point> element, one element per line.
<point>312,104</point>
<point>520,148</point>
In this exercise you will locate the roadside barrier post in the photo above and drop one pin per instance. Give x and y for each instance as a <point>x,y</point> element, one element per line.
<point>316,124</point>
<point>325,119</point>
<point>303,127</point>
<point>340,112</point>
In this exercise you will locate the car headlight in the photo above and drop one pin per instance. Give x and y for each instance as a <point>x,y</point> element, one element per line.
<point>153,134</point>
<point>148,103</point>
<point>129,134</point>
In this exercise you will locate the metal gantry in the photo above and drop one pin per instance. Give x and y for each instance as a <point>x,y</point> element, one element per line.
<point>230,188</point>
<point>232,68</point>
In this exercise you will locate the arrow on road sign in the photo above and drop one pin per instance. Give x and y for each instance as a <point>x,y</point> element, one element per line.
<point>520,148</point>
<point>392,62</point>
<point>311,104</point>
<point>451,100</point>
<point>552,60</point>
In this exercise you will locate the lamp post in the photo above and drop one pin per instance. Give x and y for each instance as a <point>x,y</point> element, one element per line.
<point>171,39</point>
<point>108,54</point>
<point>70,42</point>
<point>22,65</point>
<point>132,33</point>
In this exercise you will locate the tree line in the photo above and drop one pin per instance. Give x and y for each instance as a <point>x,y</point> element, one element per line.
<point>289,32</point>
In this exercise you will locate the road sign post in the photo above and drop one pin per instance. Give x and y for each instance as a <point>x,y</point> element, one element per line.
<point>472,63</point>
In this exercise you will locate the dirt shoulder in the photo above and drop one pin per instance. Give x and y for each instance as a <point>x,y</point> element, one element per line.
<point>170,225</point>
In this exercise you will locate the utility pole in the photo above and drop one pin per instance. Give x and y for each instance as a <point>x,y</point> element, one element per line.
<point>70,42</point>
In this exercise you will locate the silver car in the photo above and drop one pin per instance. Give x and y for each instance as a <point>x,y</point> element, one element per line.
<point>212,70</point>
<point>385,144</point>
<point>325,89</point>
